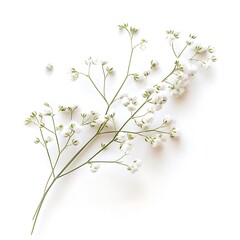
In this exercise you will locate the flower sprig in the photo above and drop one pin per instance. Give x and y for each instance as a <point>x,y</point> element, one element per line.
<point>185,68</point>
<point>144,119</point>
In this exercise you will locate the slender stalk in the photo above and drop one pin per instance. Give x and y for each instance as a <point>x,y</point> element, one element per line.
<point>48,154</point>
<point>55,133</point>
<point>165,79</point>
<point>180,54</point>
<point>40,205</point>
<point>127,74</point>
<point>174,50</point>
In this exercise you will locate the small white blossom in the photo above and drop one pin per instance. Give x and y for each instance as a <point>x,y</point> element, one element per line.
<point>130,101</point>
<point>175,132</point>
<point>122,137</point>
<point>75,127</point>
<point>206,63</point>
<point>192,69</point>
<point>125,101</point>
<point>133,168</point>
<point>138,162</point>
<point>94,167</point>
<point>49,67</point>
<point>48,139</point>
<point>159,100</point>
<point>167,120</point>
<point>157,140</point>
<point>126,146</point>
<point>47,111</point>
<point>131,107</point>
<point>66,131</point>
<point>154,64</point>
<point>172,36</point>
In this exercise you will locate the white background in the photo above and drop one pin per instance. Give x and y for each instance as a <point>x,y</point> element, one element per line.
<point>189,190</point>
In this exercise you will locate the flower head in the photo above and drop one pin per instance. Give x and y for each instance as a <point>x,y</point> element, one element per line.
<point>94,167</point>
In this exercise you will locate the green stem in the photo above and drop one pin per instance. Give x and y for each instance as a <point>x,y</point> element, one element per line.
<point>127,75</point>
<point>180,54</point>
<point>48,154</point>
<point>40,205</point>
<point>55,133</point>
<point>165,79</point>
<point>174,50</point>
<point>98,90</point>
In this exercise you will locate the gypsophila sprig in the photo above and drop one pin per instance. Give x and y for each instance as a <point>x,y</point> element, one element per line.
<point>144,120</point>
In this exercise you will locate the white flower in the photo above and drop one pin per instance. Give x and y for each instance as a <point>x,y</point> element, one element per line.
<point>174,132</point>
<point>149,117</point>
<point>126,146</point>
<point>192,69</point>
<point>151,110</point>
<point>125,101</point>
<point>158,141</point>
<point>94,167</point>
<point>178,88</point>
<point>122,137</point>
<point>48,139</point>
<point>206,63</point>
<point>47,111</point>
<point>75,127</point>
<point>144,122</point>
<point>134,167</point>
<point>158,100</point>
<point>74,75</point>
<point>172,36</point>
<point>49,67</point>
<point>66,131</point>
<point>138,162</point>
<point>141,78</point>
<point>150,89</point>
<point>167,120</point>
<point>154,64</point>
<point>131,107</point>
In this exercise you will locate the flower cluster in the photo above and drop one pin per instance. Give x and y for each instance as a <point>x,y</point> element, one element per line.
<point>130,102</point>
<point>185,69</point>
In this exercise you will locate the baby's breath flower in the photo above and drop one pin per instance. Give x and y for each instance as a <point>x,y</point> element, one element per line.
<point>131,107</point>
<point>133,168</point>
<point>75,127</point>
<point>126,146</point>
<point>154,64</point>
<point>75,142</point>
<point>143,44</point>
<point>94,167</point>
<point>174,132</point>
<point>122,137</point>
<point>48,139</point>
<point>49,67</point>
<point>206,63</point>
<point>172,36</point>
<point>47,112</point>
<point>66,131</point>
<point>74,74</point>
<point>167,120</point>
<point>159,100</point>
<point>130,101</point>
<point>37,140</point>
